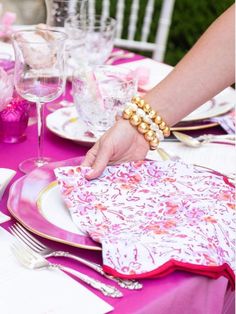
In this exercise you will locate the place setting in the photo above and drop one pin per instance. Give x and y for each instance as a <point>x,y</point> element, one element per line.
<point>142,229</point>
<point>68,124</point>
<point>108,211</point>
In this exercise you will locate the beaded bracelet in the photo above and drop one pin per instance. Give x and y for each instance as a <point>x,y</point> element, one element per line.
<point>141,115</point>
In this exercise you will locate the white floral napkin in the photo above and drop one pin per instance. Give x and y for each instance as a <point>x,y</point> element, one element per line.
<point>154,217</point>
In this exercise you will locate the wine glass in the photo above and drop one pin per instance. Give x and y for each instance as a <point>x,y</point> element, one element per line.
<point>39,76</point>
<point>57,12</point>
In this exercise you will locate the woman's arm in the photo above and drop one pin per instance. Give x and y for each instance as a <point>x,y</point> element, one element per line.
<point>206,69</point>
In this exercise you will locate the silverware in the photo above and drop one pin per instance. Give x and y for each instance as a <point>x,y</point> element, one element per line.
<point>207,138</point>
<point>166,156</point>
<point>33,260</point>
<point>38,247</point>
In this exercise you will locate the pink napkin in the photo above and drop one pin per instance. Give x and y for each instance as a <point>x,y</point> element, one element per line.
<point>154,217</point>
<point>6,23</point>
<point>142,73</point>
<point>37,49</point>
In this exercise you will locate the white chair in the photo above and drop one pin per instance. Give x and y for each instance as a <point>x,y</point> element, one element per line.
<point>159,46</point>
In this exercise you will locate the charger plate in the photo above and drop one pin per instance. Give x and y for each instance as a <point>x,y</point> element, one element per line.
<point>35,201</point>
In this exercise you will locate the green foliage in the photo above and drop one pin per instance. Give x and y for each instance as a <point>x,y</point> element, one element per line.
<point>190,19</point>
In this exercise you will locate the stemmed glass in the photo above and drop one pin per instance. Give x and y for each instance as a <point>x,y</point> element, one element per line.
<point>39,76</point>
<point>57,13</point>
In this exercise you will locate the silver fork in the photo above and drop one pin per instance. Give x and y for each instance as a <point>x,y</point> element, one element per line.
<point>38,247</point>
<point>33,260</point>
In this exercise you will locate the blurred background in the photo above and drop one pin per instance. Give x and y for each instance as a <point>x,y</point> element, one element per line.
<point>190,19</point>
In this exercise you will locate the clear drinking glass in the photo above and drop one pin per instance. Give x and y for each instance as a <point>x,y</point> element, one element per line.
<point>97,36</point>
<point>39,76</point>
<point>100,93</point>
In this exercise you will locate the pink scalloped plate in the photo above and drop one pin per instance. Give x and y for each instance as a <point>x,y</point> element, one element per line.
<point>34,203</point>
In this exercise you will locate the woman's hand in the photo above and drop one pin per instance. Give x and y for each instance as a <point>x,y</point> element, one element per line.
<point>120,143</point>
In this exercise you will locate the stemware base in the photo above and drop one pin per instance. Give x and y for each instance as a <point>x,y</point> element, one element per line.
<point>32,163</point>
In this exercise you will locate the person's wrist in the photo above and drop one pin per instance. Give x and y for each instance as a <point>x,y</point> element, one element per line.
<point>146,121</point>
<point>138,137</point>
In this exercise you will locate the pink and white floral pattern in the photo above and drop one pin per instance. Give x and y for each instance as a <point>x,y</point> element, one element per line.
<point>153,217</point>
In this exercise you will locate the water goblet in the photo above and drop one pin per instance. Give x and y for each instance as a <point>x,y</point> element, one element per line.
<point>100,93</point>
<point>94,37</point>
<point>39,76</point>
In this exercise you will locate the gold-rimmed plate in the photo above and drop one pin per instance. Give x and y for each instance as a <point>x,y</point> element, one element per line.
<point>194,126</point>
<point>65,123</point>
<point>35,201</point>
<point>218,105</point>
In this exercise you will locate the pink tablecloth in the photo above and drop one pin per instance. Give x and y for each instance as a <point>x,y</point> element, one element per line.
<point>176,293</point>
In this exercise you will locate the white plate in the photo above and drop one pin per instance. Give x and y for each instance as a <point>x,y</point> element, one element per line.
<point>53,209</point>
<point>65,123</point>
<point>220,104</point>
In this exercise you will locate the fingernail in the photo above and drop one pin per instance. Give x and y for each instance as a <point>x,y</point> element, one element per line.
<point>89,173</point>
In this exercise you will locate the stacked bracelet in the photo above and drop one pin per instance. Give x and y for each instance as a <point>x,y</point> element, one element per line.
<point>141,115</point>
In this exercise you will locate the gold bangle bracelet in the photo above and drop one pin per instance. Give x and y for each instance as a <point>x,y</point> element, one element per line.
<point>152,114</point>
<point>151,136</point>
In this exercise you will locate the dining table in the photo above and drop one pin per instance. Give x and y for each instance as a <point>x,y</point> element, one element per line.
<point>177,292</point>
